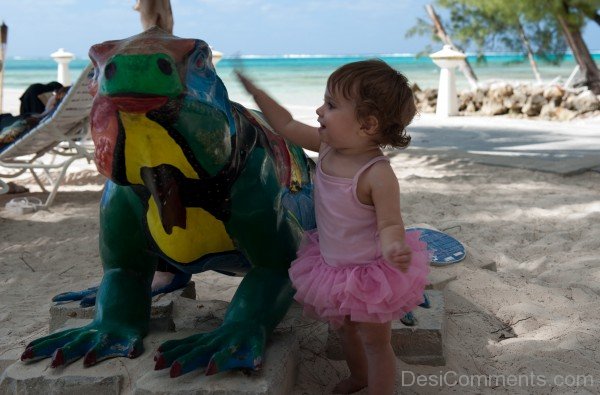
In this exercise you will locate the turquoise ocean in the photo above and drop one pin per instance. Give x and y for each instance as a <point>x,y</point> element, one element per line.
<point>300,79</point>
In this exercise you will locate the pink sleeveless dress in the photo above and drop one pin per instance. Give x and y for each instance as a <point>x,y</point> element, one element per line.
<point>340,271</point>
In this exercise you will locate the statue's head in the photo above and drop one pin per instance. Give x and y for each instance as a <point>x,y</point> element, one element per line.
<point>157,78</point>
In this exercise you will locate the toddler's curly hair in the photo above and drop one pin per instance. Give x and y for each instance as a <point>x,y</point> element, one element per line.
<point>380,91</point>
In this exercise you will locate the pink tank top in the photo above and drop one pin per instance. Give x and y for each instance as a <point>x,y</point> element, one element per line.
<point>347,228</point>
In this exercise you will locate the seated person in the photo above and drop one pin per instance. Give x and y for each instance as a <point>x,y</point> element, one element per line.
<point>25,122</point>
<point>32,99</point>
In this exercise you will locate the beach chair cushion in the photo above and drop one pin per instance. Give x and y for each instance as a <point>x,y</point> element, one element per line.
<point>9,134</point>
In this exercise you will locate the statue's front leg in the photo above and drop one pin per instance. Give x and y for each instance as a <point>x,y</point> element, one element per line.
<point>123,299</point>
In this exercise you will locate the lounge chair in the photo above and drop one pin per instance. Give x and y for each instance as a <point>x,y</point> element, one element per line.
<point>3,187</point>
<point>55,143</point>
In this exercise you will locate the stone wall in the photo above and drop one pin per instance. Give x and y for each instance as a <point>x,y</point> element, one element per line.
<point>551,102</point>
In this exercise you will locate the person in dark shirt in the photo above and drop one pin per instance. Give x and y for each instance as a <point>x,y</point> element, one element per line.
<point>30,100</point>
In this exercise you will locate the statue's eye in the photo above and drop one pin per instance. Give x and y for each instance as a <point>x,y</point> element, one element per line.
<point>199,63</point>
<point>110,70</point>
<point>165,66</point>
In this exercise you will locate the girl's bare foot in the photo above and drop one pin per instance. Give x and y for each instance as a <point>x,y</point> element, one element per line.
<point>349,386</point>
<point>161,279</point>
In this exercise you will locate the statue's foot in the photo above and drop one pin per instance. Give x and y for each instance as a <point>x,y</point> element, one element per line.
<point>163,282</point>
<point>349,386</point>
<point>426,303</point>
<point>94,342</point>
<point>237,345</point>
<point>409,319</point>
<point>87,297</point>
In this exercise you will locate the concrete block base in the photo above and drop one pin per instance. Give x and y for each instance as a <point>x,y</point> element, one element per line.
<point>38,378</point>
<point>136,376</point>
<point>422,344</point>
<point>278,375</point>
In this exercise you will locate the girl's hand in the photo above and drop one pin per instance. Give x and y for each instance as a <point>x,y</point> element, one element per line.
<point>247,83</point>
<point>398,254</point>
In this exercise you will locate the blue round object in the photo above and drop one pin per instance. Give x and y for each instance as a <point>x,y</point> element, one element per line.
<point>445,249</point>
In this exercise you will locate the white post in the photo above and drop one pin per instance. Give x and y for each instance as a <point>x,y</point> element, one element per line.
<point>63,58</point>
<point>447,101</point>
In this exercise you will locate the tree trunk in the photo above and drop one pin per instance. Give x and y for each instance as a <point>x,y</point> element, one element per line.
<point>582,55</point>
<point>3,40</point>
<point>465,67</point>
<point>155,13</point>
<point>529,52</point>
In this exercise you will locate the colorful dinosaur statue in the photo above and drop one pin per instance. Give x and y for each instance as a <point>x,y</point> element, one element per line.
<point>194,180</point>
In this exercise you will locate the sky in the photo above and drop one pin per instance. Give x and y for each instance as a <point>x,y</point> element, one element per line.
<point>235,27</point>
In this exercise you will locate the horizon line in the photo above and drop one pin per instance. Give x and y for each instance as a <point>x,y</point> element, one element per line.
<point>594,53</point>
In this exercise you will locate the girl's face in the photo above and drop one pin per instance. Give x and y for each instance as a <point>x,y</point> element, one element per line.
<point>339,127</point>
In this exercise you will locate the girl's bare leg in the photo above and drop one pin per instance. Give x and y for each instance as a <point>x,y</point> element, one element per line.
<point>161,279</point>
<point>355,358</point>
<point>381,359</point>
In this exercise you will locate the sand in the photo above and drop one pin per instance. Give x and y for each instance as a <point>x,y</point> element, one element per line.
<point>535,321</point>
<point>10,100</point>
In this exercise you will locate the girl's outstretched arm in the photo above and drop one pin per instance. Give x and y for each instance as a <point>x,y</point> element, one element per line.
<point>280,119</point>
<point>385,193</point>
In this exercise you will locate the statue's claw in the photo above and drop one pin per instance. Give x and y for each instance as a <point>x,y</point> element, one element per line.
<point>28,354</point>
<point>244,357</point>
<point>409,319</point>
<point>184,360</point>
<point>92,342</point>
<point>74,349</point>
<point>90,359</point>
<point>212,368</point>
<point>176,370</point>
<point>426,303</point>
<point>161,362</point>
<point>58,358</point>
<point>45,347</point>
<point>185,352</point>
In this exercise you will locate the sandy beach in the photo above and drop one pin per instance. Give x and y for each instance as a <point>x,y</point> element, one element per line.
<point>536,317</point>
<point>10,100</point>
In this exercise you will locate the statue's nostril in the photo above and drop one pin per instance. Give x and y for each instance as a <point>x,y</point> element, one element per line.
<point>165,66</point>
<point>110,70</point>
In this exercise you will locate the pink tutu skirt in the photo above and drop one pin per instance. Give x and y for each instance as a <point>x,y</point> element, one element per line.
<point>375,292</point>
